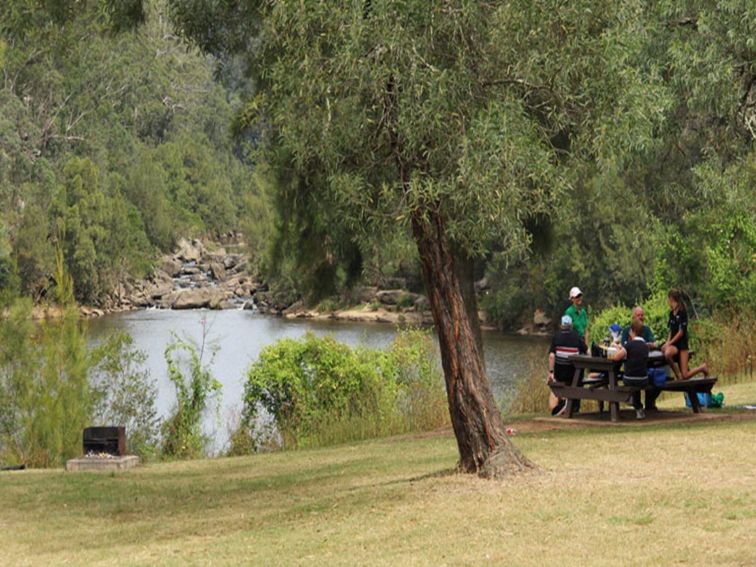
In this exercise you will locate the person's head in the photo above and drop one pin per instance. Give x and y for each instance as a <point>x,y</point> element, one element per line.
<point>674,298</point>
<point>639,314</point>
<point>566,323</point>
<point>636,328</point>
<point>576,296</point>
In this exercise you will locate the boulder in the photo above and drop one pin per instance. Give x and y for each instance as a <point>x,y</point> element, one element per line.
<point>170,266</point>
<point>217,271</point>
<point>365,294</point>
<point>239,268</point>
<point>139,299</point>
<point>390,296</point>
<point>216,299</point>
<point>294,309</point>
<point>422,303</point>
<point>191,299</point>
<point>189,251</point>
<point>159,290</point>
<point>231,260</point>
<point>218,255</point>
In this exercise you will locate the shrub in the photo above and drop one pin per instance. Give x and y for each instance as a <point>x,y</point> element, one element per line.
<point>405,301</point>
<point>125,394</point>
<point>318,391</point>
<point>656,314</point>
<point>327,306</point>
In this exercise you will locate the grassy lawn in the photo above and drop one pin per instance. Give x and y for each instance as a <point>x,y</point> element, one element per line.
<point>683,494</point>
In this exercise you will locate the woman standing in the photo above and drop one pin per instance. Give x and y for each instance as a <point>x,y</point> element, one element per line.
<point>676,347</point>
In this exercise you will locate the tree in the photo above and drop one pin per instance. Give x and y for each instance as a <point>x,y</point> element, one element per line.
<point>453,118</point>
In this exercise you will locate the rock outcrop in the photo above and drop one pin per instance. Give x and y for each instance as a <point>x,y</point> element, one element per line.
<point>197,275</point>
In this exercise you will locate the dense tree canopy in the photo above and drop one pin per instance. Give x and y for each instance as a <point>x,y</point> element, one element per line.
<point>111,145</point>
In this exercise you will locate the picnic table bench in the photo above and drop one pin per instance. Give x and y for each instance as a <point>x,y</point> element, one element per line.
<point>608,389</point>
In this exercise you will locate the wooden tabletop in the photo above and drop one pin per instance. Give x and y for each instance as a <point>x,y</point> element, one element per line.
<point>655,357</point>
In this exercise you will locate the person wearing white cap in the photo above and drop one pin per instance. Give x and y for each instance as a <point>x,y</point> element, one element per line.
<point>578,313</point>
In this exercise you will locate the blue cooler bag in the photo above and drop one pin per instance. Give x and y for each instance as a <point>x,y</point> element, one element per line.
<point>657,376</point>
<point>704,399</point>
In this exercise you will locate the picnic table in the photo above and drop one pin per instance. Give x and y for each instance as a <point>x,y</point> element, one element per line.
<point>608,389</point>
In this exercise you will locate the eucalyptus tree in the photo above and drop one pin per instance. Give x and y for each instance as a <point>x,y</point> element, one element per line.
<point>457,120</point>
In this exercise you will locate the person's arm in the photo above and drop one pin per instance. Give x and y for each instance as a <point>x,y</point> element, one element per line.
<point>684,322</point>
<point>585,332</point>
<point>552,360</point>
<point>672,340</point>
<point>650,338</point>
<point>620,354</point>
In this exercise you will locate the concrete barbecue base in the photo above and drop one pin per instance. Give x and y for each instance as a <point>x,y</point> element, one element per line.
<point>105,464</point>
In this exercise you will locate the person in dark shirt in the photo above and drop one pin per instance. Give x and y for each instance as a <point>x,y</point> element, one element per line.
<point>676,347</point>
<point>564,344</point>
<point>647,334</point>
<point>635,354</point>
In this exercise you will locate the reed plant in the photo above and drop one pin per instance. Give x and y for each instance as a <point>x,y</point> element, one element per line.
<point>728,344</point>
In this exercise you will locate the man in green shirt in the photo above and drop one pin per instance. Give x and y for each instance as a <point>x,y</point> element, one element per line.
<point>647,334</point>
<point>578,314</point>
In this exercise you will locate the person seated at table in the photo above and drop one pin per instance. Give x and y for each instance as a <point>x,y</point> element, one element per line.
<point>676,346</point>
<point>564,344</point>
<point>635,354</point>
<point>647,334</point>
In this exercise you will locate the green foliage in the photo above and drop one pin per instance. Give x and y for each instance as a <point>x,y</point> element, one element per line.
<point>196,388</point>
<point>429,121</point>
<point>656,311</point>
<point>319,391</point>
<point>45,396</point>
<point>125,394</point>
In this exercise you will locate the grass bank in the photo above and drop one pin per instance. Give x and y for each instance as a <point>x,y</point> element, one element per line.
<point>682,494</point>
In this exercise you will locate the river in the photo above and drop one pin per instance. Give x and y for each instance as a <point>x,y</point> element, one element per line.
<point>241,335</point>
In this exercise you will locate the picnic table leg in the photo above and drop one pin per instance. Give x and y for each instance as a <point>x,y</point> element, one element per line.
<point>693,396</point>
<point>613,406</point>
<point>569,408</point>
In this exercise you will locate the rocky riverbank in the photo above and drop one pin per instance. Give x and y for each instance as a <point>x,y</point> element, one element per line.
<point>201,274</point>
<point>197,275</point>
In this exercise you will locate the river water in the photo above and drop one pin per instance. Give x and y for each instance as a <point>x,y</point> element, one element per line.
<point>241,335</point>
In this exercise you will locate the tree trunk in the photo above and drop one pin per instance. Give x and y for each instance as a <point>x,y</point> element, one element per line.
<point>464,267</point>
<point>481,438</point>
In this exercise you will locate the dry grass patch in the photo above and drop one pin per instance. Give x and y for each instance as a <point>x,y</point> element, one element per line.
<point>651,496</point>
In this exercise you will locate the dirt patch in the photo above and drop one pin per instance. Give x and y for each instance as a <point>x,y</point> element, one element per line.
<point>627,419</point>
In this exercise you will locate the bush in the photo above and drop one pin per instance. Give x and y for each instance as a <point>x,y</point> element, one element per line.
<point>656,315</point>
<point>52,386</point>
<point>125,394</point>
<point>318,391</point>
